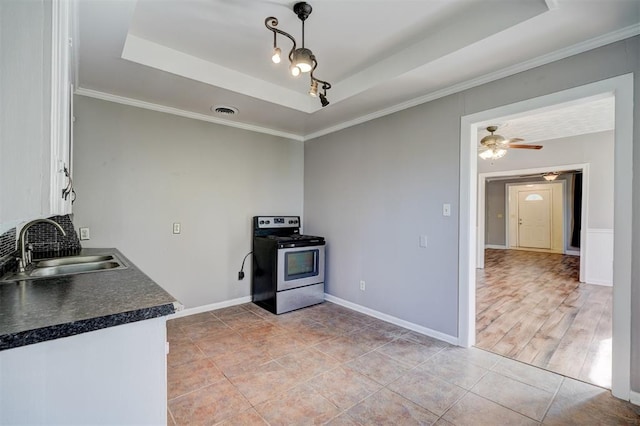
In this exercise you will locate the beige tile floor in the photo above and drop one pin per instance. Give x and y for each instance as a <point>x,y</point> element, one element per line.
<point>329,365</point>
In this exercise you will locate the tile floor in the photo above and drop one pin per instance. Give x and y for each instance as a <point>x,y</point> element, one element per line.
<point>330,365</point>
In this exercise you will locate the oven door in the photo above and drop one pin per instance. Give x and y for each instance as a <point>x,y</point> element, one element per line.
<point>300,266</point>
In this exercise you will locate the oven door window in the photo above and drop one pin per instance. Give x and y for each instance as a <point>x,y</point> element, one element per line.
<point>301,264</point>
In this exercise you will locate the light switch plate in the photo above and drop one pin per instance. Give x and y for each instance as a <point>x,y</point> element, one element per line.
<point>423,241</point>
<point>446,209</point>
<point>177,228</point>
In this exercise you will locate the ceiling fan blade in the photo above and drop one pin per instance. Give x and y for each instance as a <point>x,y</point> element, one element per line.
<point>512,140</point>
<point>525,146</point>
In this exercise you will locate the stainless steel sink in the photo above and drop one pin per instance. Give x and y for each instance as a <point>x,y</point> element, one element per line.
<point>72,260</point>
<point>67,266</point>
<point>51,271</point>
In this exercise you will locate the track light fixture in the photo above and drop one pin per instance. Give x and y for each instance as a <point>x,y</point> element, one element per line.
<point>301,59</point>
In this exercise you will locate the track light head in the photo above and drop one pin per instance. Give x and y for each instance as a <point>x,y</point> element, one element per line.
<point>302,59</point>
<point>323,100</point>
<point>313,91</point>
<point>276,55</point>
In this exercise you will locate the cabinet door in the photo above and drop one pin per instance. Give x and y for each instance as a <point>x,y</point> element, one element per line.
<point>25,116</point>
<point>61,196</point>
<point>34,109</point>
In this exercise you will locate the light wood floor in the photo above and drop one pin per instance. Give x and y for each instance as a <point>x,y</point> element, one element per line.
<point>532,308</point>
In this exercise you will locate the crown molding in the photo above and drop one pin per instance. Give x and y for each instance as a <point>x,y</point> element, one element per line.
<point>183,113</point>
<point>612,37</point>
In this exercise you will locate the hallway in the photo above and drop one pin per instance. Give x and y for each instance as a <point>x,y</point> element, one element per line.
<point>531,307</point>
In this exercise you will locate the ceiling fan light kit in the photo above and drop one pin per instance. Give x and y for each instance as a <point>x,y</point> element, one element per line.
<point>494,146</point>
<point>301,59</point>
<point>492,153</point>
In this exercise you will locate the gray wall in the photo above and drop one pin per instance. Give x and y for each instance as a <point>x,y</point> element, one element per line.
<point>496,214</point>
<point>374,188</point>
<point>138,171</point>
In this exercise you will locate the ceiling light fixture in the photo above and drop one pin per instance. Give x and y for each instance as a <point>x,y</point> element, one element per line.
<point>493,153</point>
<point>301,59</point>
<point>551,176</point>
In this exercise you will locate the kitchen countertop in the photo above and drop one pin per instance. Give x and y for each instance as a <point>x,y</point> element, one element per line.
<point>35,311</point>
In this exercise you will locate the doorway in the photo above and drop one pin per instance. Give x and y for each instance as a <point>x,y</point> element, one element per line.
<point>622,88</point>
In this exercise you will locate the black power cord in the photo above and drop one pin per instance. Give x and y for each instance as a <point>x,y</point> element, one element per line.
<point>241,273</point>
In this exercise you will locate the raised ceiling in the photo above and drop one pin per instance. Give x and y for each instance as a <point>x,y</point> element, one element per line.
<point>185,56</point>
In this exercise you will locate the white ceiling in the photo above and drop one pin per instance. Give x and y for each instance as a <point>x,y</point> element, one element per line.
<point>562,121</point>
<point>184,56</point>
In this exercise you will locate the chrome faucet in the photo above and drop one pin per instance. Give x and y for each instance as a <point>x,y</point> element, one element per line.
<point>25,258</point>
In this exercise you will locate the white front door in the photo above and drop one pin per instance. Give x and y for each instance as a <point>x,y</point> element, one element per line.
<point>534,219</point>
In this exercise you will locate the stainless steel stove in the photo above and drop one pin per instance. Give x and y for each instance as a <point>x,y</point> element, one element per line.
<point>288,267</point>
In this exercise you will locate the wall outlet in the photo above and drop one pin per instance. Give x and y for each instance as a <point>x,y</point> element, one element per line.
<point>177,228</point>
<point>423,241</point>
<point>362,285</point>
<point>84,234</point>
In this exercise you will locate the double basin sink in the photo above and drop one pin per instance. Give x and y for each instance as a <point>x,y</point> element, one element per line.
<point>51,268</point>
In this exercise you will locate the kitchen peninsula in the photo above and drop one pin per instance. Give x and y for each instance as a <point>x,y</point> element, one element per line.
<point>87,348</point>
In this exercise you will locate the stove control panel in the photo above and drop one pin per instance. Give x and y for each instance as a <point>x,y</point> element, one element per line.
<point>263,222</point>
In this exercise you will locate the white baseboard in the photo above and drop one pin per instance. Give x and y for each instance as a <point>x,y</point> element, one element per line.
<point>495,246</point>
<point>211,307</point>
<point>634,397</point>
<point>572,253</point>
<point>598,282</point>
<point>537,250</point>
<point>393,320</point>
<point>372,313</point>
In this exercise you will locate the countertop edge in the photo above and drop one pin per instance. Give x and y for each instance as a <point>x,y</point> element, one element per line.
<point>58,331</point>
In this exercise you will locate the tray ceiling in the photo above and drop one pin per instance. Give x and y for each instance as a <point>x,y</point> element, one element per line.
<point>185,56</point>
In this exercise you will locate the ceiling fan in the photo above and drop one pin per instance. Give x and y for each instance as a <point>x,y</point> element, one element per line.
<point>495,146</point>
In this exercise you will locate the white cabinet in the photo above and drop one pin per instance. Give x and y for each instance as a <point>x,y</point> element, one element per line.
<point>113,376</point>
<point>61,109</point>
<point>34,109</point>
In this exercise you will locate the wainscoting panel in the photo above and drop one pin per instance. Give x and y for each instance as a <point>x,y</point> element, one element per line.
<point>599,257</point>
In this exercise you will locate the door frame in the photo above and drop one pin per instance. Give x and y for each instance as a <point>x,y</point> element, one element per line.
<point>622,89</point>
<point>481,201</point>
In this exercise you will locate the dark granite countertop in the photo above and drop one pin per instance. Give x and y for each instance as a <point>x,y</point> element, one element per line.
<point>34,311</point>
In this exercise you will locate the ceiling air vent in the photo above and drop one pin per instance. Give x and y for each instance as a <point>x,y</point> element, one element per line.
<point>224,110</point>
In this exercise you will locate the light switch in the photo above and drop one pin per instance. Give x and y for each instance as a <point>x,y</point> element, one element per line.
<point>446,209</point>
<point>177,228</point>
<point>423,241</point>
